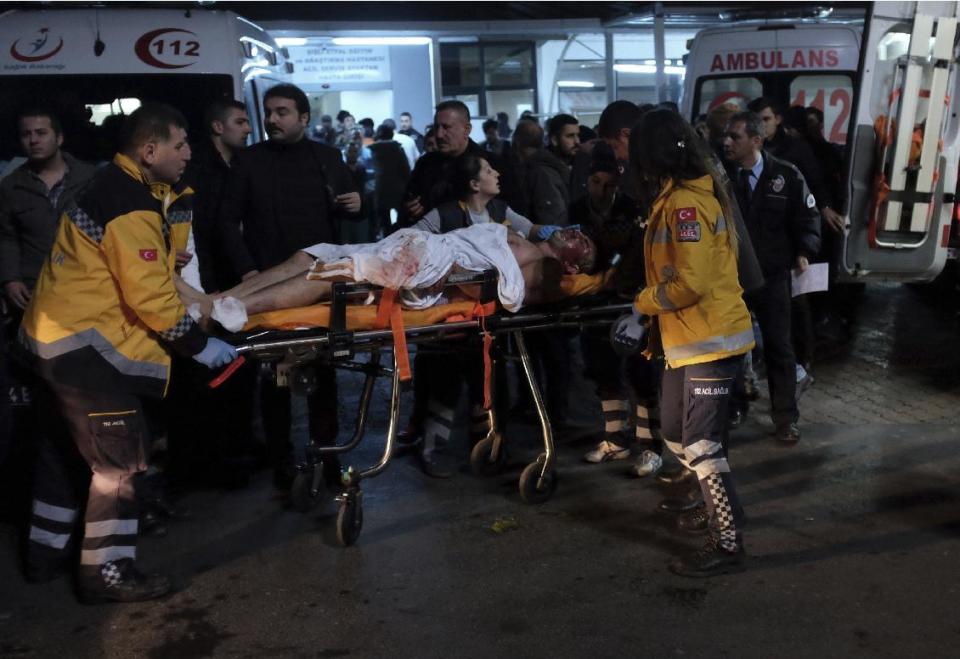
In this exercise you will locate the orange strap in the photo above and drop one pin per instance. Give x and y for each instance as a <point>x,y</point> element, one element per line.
<point>481,311</point>
<point>390,313</point>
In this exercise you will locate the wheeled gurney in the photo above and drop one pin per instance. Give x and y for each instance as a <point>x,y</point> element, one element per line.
<point>336,332</point>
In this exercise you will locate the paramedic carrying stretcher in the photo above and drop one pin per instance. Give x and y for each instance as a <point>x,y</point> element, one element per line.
<point>98,330</point>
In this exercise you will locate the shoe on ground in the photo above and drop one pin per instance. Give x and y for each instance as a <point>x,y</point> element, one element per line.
<point>788,434</point>
<point>409,437</point>
<point>803,384</point>
<point>120,581</point>
<point>694,521</point>
<point>710,560</point>
<point>682,477</point>
<point>648,464</point>
<point>606,451</point>
<point>435,463</point>
<point>682,503</point>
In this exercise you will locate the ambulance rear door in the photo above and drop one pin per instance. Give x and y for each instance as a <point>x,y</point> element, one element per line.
<point>902,170</point>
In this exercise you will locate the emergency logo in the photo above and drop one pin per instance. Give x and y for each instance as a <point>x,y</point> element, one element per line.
<point>148,254</point>
<point>36,48</point>
<point>168,48</point>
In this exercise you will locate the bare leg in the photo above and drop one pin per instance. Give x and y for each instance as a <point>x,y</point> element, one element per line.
<point>298,264</point>
<point>298,291</point>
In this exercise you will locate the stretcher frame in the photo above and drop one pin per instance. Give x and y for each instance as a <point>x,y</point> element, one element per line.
<point>338,346</point>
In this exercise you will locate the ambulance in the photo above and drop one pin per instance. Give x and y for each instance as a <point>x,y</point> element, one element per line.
<point>889,93</point>
<point>93,65</point>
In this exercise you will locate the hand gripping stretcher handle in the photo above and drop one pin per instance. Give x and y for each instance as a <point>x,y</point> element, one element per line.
<point>227,372</point>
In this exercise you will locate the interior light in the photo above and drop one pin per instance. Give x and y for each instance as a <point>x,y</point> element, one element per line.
<point>584,84</point>
<point>381,41</point>
<point>291,41</point>
<point>635,68</point>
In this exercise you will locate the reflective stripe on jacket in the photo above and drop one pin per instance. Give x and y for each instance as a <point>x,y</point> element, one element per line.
<point>105,302</point>
<point>691,274</point>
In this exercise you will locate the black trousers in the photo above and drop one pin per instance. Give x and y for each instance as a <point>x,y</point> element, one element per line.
<point>616,379</point>
<point>207,428</point>
<point>107,432</point>
<point>321,414</point>
<point>694,404</point>
<point>772,306</point>
<point>550,355</point>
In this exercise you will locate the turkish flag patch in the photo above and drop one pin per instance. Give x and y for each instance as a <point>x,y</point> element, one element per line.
<point>148,254</point>
<point>686,214</point>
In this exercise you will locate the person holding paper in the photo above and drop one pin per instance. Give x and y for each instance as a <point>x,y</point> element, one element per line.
<point>784,226</point>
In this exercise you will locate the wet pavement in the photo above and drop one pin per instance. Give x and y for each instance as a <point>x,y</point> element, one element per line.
<point>853,537</point>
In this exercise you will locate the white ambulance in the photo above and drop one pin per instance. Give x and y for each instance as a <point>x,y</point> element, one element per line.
<point>889,93</point>
<point>93,64</point>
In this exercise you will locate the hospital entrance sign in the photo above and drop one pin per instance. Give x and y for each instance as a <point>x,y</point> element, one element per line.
<point>339,65</point>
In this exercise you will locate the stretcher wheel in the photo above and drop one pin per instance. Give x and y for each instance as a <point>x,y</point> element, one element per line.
<point>481,460</point>
<point>303,496</point>
<point>349,521</point>
<point>529,491</point>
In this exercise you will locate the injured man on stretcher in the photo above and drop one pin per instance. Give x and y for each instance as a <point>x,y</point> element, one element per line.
<point>415,262</point>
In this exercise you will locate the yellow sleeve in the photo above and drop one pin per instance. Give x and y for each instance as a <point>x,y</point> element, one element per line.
<point>681,274</point>
<point>136,255</point>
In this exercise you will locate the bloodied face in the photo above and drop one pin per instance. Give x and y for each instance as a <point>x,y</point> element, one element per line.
<point>575,250</point>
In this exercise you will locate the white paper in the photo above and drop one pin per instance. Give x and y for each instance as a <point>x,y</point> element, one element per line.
<point>816,278</point>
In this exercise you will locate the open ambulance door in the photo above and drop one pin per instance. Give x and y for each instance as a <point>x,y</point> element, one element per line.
<point>902,172</point>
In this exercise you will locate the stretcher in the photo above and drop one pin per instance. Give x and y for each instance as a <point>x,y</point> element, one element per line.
<point>337,332</point>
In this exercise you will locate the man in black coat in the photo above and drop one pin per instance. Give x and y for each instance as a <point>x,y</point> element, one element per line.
<point>784,227</point>
<point>283,195</point>
<point>428,186</point>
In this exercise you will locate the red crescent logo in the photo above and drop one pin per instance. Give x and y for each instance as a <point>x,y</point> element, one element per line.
<point>36,58</point>
<point>142,48</point>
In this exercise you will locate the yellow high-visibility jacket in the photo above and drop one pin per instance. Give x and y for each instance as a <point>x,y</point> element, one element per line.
<point>691,275</point>
<point>105,308</point>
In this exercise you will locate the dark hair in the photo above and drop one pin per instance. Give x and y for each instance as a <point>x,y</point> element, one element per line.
<point>343,114</point>
<point>795,117</point>
<point>151,121</point>
<point>617,116</point>
<point>760,104</point>
<point>752,123</point>
<point>527,135</point>
<point>291,92</point>
<point>366,121</point>
<point>389,122</point>
<point>219,110</point>
<point>490,123</point>
<point>42,111</point>
<point>587,134</point>
<point>406,114</point>
<point>326,119</point>
<point>384,132</point>
<point>664,146</point>
<point>816,112</point>
<point>464,169</point>
<point>457,106</point>
<point>557,122</point>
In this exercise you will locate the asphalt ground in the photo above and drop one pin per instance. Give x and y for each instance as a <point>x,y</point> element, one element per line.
<point>853,538</point>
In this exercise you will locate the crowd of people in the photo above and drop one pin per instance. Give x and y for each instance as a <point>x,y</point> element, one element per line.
<point>109,276</point>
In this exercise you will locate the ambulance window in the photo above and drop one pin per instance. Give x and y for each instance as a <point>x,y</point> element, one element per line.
<point>122,106</point>
<point>832,95</point>
<point>738,90</point>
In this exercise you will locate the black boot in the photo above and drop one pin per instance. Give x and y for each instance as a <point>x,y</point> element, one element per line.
<point>711,559</point>
<point>119,581</point>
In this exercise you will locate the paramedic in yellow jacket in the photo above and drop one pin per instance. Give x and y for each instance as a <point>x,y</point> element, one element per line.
<point>98,330</point>
<point>693,294</point>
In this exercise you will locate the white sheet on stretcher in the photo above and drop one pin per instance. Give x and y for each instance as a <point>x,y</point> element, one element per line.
<point>412,260</point>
